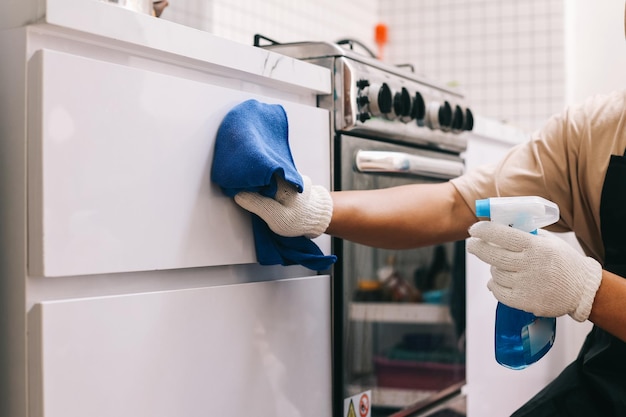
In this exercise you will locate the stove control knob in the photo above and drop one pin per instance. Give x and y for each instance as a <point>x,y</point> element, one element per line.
<point>468,122</point>
<point>363,117</point>
<point>457,119</point>
<point>361,84</point>
<point>445,116</point>
<point>402,105</point>
<point>418,111</point>
<point>363,100</point>
<point>384,100</point>
<point>439,115</point>
<point>380,99</point>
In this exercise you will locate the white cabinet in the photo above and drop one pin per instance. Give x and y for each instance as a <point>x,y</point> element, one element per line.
<point>119,168</point>
<point>220,351</point>
<point>128,281</point>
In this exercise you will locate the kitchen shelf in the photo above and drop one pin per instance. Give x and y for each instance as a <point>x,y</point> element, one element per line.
<point>400,313</point>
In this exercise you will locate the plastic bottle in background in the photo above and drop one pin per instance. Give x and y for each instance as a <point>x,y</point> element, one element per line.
<point>521,338</point>
<point>395,287</point>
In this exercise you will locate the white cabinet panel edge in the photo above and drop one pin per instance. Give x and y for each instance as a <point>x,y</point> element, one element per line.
<point>220,351</point>
<point>117,24</point>
<point>119,169</point>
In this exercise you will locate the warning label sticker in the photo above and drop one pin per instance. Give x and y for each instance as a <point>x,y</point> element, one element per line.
<point>358,405</point>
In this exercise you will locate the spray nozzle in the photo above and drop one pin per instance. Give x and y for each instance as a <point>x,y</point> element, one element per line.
<point>527,213</point>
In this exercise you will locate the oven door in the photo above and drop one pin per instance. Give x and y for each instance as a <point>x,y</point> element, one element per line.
<point>399,315</point>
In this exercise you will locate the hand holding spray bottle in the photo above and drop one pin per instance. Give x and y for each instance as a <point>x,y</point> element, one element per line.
<point>521,338</point>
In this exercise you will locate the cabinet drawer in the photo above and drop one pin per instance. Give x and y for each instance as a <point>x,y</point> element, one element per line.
<point>119,169</point>
<point>219,351</point>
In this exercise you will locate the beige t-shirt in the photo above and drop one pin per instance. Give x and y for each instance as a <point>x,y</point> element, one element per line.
<point>565,162</point>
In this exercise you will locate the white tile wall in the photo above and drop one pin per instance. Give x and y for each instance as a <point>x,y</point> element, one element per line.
<point>281,20</point>
<point>507,56</point>
<point>193,13</point>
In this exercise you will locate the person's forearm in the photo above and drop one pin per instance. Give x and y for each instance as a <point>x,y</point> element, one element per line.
<point>607,311</point>
<point>401,217</point>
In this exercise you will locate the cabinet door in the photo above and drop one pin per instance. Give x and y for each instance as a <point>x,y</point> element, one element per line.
<point>260,349</point>
<point>119,169</point>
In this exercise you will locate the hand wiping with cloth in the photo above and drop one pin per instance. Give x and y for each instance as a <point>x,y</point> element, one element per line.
<point>252,162</point>
<point>291,213</point>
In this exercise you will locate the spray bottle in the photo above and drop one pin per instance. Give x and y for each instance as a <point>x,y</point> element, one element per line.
<point>521,338</point>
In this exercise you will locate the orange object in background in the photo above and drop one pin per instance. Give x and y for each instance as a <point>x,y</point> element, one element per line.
<point>380,36</point>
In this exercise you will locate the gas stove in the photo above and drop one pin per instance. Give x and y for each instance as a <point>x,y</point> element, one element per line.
<point>373,99</point>
<point>389,127</point>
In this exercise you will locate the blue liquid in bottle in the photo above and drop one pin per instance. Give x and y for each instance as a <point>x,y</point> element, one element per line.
<point>521,338</point>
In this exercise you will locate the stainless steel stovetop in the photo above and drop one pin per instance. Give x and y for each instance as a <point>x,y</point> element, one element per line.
<point>373,99</point>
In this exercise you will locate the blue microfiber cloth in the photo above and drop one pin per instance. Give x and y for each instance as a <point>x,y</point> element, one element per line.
<point>251,148</point>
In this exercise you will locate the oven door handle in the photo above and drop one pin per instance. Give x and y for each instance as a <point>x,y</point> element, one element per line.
<point>404,163</point>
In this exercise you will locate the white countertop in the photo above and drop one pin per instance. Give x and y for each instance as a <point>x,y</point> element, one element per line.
<point>137,30</point>
<point>493,129</point>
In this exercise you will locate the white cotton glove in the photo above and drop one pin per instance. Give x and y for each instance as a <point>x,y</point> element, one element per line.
<point>540,274</point>
<point>291,213</point>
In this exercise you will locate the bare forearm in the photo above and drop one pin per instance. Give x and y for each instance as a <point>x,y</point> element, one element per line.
<point>608,310</point>
<point>401,217</point>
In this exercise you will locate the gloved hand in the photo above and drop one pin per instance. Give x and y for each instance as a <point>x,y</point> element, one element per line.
<point>292,213</point>
<point>539,274</point>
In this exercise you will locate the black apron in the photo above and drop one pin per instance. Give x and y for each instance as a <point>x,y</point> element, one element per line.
<point>594,385</point>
